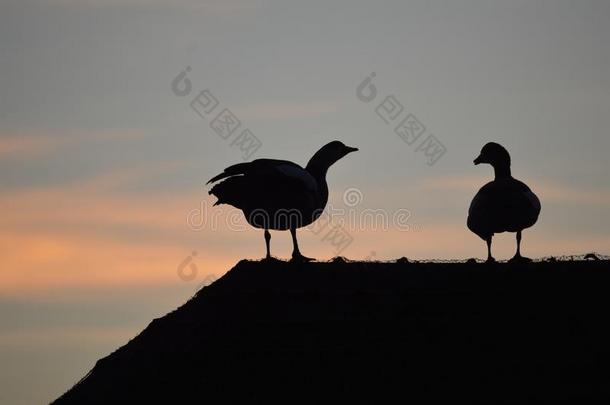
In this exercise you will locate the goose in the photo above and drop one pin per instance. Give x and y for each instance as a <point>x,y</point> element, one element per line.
<point>279,194</point>
<point>502,205</point>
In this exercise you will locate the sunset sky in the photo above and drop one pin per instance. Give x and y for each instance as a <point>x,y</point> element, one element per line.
<point>102,162</point>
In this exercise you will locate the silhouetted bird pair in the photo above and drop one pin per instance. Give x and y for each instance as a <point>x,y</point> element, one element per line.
<point>281,195</point>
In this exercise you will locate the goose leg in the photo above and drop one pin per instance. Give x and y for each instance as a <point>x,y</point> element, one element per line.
<point>296,254</point>
<point>268,243</point>
<point>490,258</point>
<point>518,257</point>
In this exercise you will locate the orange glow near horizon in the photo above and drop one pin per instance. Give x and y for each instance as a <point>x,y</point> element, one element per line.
<point>86,236</point>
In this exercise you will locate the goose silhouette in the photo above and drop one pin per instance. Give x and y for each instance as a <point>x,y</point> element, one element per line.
<point>502,205</point>
<point>279,194</point>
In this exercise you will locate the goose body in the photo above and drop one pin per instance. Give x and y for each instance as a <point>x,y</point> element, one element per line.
<point>273,194</point>
<point>504,204</point>
<point>279,194</point>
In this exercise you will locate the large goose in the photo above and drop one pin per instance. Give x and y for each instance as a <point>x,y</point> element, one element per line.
<point>503,205</point>
<point>278,194</point>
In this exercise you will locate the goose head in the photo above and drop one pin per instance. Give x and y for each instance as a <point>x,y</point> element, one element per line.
<point>327,156</point>
<point>497,156</point>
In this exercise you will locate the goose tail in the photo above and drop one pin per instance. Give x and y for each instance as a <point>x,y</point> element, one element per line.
<point>229,191</point>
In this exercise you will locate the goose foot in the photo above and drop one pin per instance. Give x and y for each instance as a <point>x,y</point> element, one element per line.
<point>299,258</point>
<point>520,259</point>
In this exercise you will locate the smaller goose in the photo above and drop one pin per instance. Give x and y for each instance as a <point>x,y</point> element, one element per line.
<point>278,194</point>
<point>502,205</point>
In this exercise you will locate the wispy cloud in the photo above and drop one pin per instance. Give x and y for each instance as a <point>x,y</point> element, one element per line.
<point>88,233</point>
<point>93,234</point>
<point>547,190</point>
<point>25,145</point>
<point>54,337</point>
<point>39,142</point>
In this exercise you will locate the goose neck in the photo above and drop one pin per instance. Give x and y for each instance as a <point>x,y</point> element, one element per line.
<point>502,171</point>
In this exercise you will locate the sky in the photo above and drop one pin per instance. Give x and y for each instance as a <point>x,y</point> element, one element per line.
<point>105,219</point>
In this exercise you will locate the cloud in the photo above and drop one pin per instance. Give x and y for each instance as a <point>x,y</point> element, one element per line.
<point>65,337</point>
<point>25,145</point>
<point>548,190</point>
<point>36,143</point>
<point>574,195</point>
<point>88,234</point>
<point>92,234</point>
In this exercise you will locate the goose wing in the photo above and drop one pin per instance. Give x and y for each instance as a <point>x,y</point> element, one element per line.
<point>270,168</point>
<point>479,212</point>
<point>502,206</point>
<point>265,183</point>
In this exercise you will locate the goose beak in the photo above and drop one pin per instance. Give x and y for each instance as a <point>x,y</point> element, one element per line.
<point>350,149</point>
<point>478,160</point>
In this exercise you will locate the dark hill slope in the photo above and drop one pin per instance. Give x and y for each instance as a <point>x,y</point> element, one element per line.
<point>366,332</point>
